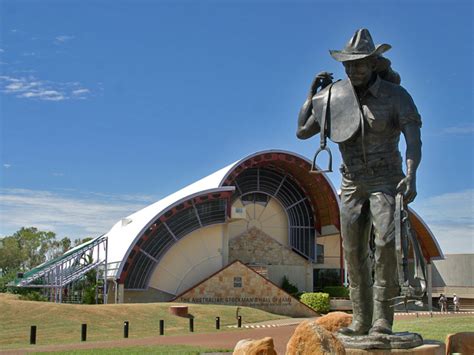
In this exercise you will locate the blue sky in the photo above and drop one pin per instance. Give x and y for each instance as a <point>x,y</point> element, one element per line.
<point>107,106</point>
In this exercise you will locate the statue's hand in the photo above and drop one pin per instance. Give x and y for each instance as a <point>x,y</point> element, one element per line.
<point>407,186</point>
<point>321,80</point>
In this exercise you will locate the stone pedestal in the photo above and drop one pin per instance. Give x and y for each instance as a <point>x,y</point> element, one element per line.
<point>403,340</point>
<point>429,348</point>
<point>180,311</point>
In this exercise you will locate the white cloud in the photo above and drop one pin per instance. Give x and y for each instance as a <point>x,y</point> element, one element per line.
<point>460,129</point>
<point>450,217</point>
<point>67,213</point>
<point>80,92</point>
<point>7,166</point>
<point>29,87</point>
<point>63,39</point>
<point>49,95</point>
<point>2,50</point>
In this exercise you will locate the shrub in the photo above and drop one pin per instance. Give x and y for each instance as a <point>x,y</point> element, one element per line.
<point>298,295</point>
<point>33,296</point>
<point>5,278</point>
<point>289,287</point>
<point>337,291</point>
<point>316,300</point>
<point>89,295</point>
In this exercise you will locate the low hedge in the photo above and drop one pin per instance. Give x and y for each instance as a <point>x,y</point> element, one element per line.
<point>318,301</point>
<point>337,291</point>
<point>33,296</point>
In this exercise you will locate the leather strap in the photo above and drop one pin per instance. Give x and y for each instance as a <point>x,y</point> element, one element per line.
<point>324,119</point>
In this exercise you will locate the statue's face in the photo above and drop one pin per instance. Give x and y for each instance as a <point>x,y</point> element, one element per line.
<point>359,71</point>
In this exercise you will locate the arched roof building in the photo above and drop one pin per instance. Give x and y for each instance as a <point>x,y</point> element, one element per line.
<point>265,210</point>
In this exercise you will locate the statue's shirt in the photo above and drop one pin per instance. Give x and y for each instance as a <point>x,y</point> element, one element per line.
<point>387,108</point>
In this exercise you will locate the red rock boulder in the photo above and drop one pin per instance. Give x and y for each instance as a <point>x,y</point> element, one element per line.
<point>462,343</point>
<point>334,321</point>
<point>262,346</point>
<point>311,338</point>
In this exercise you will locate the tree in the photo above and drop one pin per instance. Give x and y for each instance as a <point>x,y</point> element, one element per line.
<point>26,249</point>
<point>58,247</point>
<point>11,255</point>
<point>34,245</point>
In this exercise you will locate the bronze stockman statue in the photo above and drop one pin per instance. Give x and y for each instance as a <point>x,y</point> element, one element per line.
<point>365,115</point>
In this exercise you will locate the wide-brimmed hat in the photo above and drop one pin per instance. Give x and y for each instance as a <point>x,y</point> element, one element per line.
<point>359,46</point>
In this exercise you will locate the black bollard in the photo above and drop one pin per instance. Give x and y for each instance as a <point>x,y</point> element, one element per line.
<point>33,334</point>
<point>84,332</point>
<point>162,327</point>
<point>239,322</point>
<point>125,329</point>
<point>218,323</point>
<point>191,325</point>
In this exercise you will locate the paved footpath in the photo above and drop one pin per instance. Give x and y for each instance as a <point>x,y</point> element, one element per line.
<point>280,330</point>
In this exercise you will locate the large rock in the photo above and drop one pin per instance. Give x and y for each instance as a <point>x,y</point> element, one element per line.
<point>462,343</point>
<point>334,321</point>
<point>262,346</point>
<point>311,338</point>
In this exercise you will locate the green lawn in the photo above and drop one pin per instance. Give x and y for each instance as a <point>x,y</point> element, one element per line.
<point>430,328</point>
<point>436,328</point>
<point>61,323</point>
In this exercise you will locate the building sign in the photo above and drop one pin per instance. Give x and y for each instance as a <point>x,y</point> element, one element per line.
<point>243,301</point>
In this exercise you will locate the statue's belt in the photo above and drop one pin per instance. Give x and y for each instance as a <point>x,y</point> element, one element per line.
<point>380,162</point>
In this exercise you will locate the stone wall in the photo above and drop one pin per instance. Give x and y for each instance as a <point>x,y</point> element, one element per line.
<point>254,247</point>
<point>238,285</point>
<point>257,247</point>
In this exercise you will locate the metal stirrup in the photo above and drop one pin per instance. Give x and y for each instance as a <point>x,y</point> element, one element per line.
<point>313,165</point>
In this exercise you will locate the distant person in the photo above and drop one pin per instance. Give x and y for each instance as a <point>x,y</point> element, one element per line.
<point>456,303</point>
<point>443,303</point>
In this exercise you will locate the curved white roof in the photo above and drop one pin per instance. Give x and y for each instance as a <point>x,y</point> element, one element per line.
<point>123,234</point>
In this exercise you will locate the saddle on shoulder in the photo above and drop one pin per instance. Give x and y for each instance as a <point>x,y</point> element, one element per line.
<point>337,109</point>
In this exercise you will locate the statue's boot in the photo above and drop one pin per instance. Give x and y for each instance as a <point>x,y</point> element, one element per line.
<point>361,312</point>
<point>383,312</point>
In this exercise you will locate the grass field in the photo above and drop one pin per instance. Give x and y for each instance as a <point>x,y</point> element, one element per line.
<point>436,328</point>
<point>61,323</point>
<point>430,328</point>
